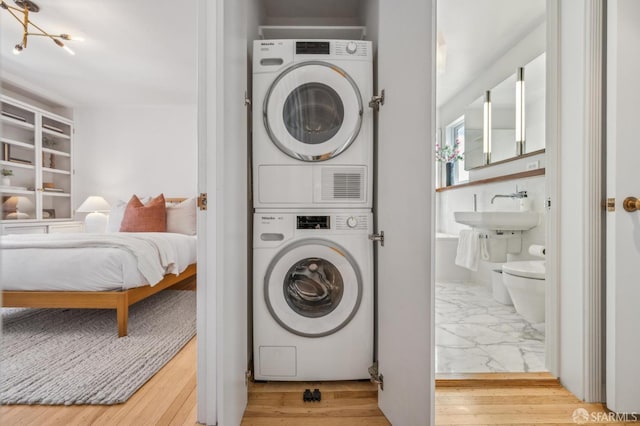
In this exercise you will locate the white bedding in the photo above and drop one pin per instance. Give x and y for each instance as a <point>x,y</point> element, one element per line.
<point>92,262</point>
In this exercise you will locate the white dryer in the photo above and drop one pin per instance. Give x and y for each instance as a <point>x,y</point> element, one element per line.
<point>313,295</point>
<point>312,124</point>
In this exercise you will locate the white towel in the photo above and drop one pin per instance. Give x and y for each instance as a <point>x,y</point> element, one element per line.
<point>468,251</point>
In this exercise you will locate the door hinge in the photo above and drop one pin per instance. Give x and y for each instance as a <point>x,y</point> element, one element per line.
<point>247,101</point>
<point>202,201</point>
<point>378,237</point>
<point>548,203</point>
<point>376,377</point>
<point>376,101</point>
<point>247,377</point>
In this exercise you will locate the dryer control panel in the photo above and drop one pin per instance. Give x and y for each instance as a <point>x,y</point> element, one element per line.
<point>313,222</point>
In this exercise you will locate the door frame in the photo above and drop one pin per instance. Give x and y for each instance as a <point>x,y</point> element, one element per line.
<point>579,338</point>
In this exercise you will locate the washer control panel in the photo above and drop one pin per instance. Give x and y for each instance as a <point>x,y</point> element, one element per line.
<point>358,222</point>
<point>351,48</point>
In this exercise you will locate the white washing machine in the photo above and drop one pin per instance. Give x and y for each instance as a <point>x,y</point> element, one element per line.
<point>312,124</point>
<point>313,295</point>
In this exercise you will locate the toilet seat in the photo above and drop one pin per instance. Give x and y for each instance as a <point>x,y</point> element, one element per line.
<point>534,269</point>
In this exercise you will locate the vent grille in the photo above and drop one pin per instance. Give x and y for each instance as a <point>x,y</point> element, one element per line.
<point>343,184</point>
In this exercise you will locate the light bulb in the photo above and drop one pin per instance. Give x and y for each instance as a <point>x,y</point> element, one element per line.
<point>17,49</point>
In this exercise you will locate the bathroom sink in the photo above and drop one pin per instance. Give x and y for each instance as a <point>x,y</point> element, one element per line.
<point>499,221</point>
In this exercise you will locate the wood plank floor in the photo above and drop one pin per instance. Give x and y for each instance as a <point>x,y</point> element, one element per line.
<point>169,398</point>
<point>342,404</point>
<point>509,404</point>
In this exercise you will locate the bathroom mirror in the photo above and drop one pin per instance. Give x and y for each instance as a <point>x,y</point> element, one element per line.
<point>473,121</point>
<point>534,77</point>
<point>503,120</point>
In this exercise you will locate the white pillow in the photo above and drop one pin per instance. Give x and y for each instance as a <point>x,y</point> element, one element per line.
<point>182,217</point>
<point>117,213</point>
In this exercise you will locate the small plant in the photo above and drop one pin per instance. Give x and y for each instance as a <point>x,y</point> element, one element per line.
<point>48,142</point>
<point>7,172</point>
<point>448,153</point>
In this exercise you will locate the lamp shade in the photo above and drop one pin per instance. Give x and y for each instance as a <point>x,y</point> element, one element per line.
<point>23,204</point>
<point>94,203</point>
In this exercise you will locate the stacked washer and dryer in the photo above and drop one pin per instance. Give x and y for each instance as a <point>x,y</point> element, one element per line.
<point>312,190</point>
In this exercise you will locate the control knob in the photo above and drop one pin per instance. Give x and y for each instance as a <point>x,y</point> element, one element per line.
<point>352,222</point>
<point>352,47</point>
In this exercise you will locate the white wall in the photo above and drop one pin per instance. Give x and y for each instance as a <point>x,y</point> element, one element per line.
<point>146,150</point>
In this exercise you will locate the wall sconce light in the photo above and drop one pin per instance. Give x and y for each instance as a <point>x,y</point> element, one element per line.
<point>520,107</point>
<point>25,7</point>
<point>486,128</point>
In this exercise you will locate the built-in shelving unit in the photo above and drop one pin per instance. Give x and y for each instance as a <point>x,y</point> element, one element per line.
<point>36,146</point>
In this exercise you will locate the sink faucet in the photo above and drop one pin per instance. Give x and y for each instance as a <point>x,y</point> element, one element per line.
<point>519,194</point>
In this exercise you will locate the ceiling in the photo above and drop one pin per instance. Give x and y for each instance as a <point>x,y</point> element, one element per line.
<point>144,52</point>
<point>478,32</point>
<point>135,52</point>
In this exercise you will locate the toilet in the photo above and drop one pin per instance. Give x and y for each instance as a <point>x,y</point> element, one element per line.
<point>525,282</point>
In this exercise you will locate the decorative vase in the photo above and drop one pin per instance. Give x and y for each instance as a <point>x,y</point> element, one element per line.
<point>450,179</point>
<point>6,181</point>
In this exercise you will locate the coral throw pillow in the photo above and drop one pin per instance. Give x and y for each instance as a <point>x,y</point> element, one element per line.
<point>151,217</point>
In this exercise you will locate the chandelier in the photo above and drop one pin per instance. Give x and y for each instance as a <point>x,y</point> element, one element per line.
<point>30,29</point>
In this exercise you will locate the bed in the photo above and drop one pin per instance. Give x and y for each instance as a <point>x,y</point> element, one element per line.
<point>93,271</point>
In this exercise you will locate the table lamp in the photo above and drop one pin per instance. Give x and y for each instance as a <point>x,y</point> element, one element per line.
<point>96,220</point>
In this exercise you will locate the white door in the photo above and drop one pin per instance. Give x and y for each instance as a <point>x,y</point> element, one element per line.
<point>222,259</point>
<point>404,200</point>
<point>623,227</point>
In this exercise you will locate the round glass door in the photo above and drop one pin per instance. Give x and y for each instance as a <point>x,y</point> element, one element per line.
<point>313,111</point>
<point>313,288</point>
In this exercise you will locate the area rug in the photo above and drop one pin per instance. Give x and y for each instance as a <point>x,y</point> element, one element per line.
<point>74,356</point>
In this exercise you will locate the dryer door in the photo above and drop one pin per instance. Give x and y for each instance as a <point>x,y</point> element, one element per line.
<point>313,288</point>
<point>313,111</point>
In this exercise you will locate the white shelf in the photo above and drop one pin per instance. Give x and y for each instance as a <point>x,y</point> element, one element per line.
<point>17,143</point>
<point>56,152</point>
<point>17,165</point>
<point>9,190</point>
<point>58,171</point>
<point>17,123</point>
<point>55,194</point>
<point>55,134</point>
<point>275,32</point>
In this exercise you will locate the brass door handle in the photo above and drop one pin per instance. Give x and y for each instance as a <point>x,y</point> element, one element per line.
<point>631,204</point>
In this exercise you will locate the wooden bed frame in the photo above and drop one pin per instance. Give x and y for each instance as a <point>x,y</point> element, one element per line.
<point>118,300</point>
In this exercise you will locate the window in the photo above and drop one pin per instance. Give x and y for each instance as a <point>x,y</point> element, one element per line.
<point>458,136</point>
<point>454,137</point>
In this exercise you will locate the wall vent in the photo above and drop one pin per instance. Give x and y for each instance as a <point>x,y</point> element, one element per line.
<point>343,184</point>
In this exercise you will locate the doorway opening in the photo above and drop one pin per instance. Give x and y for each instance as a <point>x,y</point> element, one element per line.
<point>490,288</point>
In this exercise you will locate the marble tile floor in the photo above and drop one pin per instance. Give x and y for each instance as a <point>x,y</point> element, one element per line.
<point>476,334</point>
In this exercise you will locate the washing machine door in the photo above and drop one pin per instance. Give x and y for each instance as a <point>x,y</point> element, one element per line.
<point>313,111</point>
<point>313,288</point>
